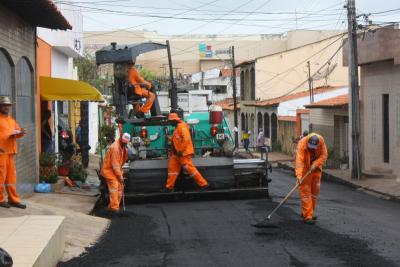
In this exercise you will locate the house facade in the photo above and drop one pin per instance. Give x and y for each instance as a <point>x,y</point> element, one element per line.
<point>18,22</point>
<point>379,58</point>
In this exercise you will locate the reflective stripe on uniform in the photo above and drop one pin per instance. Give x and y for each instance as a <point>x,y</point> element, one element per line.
<point>193,174</point>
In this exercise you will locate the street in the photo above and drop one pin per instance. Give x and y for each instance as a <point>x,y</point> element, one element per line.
<point>353,229</point>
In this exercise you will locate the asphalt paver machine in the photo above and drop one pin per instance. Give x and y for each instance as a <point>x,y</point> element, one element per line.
<point>215,155</point>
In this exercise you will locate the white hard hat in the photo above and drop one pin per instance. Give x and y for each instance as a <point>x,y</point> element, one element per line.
<point>126,138</point>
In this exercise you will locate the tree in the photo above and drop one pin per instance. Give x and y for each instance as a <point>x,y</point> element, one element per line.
<point>89,72</point>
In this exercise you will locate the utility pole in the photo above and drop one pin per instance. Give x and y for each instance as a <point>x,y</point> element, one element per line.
<point>354,87</point>
<point>173,92</point>
<point>310,83</point>
<point>235,115</point>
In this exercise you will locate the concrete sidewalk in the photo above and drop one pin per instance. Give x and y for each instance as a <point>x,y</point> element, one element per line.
<point>387,188</point>
<point>81,230</point>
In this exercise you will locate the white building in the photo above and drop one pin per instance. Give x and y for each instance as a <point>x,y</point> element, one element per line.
<point>219,81</point>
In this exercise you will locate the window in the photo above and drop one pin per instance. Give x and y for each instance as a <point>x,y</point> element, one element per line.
<point>259,121</point>
<point>266,125</point>
<point>252,84</point>
<point>243,122</point>
<point>6,71</point>
<point>274,128</point>
<point>220,89</point>
<point>242,84</point>
<point>24,97</point>
<point>385,129</point>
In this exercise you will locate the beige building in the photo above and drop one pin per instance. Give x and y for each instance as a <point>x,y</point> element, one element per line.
<point>379,58</point>
<point>195,53</point>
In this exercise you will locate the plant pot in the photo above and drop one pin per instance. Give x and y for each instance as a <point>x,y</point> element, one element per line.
<point>63,170</point>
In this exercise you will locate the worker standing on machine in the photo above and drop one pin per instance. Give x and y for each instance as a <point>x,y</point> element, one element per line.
<point>311,155</point>
<point>111,170</point>
<point>141,88</point>
<point>181,154</point>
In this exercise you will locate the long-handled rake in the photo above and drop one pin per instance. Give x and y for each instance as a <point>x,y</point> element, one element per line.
<point>265,223</point>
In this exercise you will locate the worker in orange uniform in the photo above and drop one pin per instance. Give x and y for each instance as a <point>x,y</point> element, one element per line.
<point>141,88</point>
<point>9,132</point>
<point>181,154</point>
<point>111,170</point>
<point>311,155</point>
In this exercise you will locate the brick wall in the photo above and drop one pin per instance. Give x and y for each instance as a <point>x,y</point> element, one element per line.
<point>18,38</point>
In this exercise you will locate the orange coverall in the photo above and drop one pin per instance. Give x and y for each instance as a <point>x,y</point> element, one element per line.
<point>8,145</point>
<point>136,79</point>
<point>310,187</point>
<point>181,143</point>
<point>111,170</point>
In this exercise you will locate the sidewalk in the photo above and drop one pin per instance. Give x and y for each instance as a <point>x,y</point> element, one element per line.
<point>388,188</point>
<point>81,229</point>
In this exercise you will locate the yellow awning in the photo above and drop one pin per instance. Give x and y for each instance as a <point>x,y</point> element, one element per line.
<point>65,89</point>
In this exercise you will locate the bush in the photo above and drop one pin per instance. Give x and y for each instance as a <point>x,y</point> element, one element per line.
<point>276,146</point>
<point>47,159</point>
<point>107,136</point>
<point>77,172</point>
<point>48,174</point>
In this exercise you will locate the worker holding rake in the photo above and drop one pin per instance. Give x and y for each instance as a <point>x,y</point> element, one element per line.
<point>310,157</point>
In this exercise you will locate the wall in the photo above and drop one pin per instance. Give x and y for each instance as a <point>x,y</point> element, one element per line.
<point>286,133</point>
<point>323,122</point>
<point>18,39</point>
<point>377,79</point>
<point>291,66</point>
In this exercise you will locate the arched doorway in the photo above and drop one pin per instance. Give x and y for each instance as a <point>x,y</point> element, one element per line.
<point>274,128</point>
<point>259,121</point>
<point>6,74</point>
<point>247,122</point>
<point>267,131</point>
<point>24,94</point>
<point>243,122</point>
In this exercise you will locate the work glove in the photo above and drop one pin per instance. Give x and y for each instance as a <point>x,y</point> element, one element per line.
<point>313,167</point>
<point>298,180</point>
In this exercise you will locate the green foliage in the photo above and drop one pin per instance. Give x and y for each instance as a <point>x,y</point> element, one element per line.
<point>77,172</point>
<point>50,178</point>
<point>148,75</point>
<point>276,146</point>
<point>107,136</point>
<point>89,72</point>
<point>47,159</point>
<point>344,159</point>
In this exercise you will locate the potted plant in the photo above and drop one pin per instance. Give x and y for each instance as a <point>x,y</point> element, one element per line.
<point>47,170</point>
<point>63,166</point>
<point>77,172</point>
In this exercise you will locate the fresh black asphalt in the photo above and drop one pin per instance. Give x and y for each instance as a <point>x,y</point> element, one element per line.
<point>354,229</point>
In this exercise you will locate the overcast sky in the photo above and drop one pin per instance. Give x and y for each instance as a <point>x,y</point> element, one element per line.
<point>227,16</point>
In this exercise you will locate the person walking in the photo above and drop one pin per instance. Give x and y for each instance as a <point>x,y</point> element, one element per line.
<point>141,88</point>
<point>181,154</point>
<point>260,140</point>
<point>9,133</point>
<point>311,156</point>
<point>111,170</point>
<point>246,140</point>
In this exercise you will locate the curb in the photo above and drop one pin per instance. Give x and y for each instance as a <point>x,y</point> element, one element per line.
<point>337,180</point>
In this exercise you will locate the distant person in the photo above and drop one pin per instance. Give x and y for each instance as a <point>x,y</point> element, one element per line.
<point>47,135</point>
<point>79,135</point>
<point>9,133</point>
<point>260,140</point>
<point>311,155</point>
<point>141,88</point>
<point>111,170</point>
<point>246,140</point>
